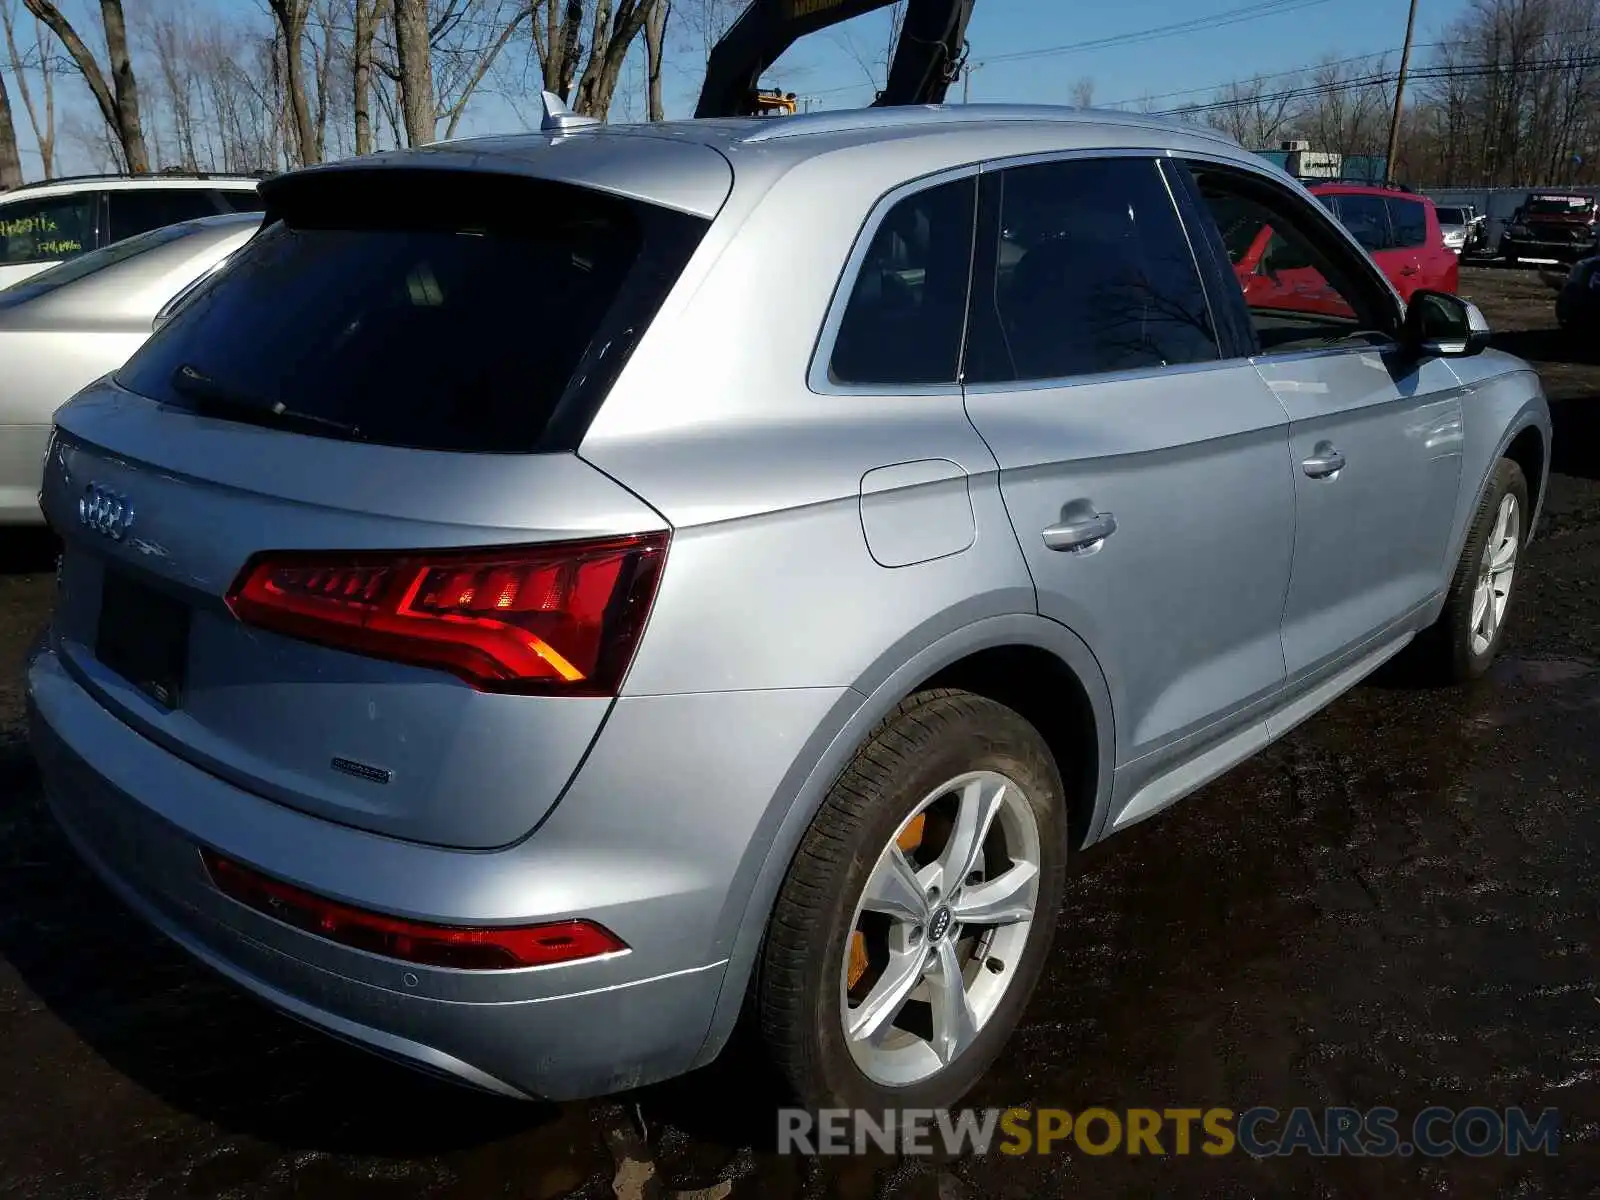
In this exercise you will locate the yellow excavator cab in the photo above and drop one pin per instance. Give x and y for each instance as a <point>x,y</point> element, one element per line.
<point>775,104</point>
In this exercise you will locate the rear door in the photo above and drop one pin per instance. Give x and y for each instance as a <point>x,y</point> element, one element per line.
<point>1143,467</point>
<point>1415,228</point>
<point>321,529</point>
<point>1375,434</point>
<point>1368,217</point>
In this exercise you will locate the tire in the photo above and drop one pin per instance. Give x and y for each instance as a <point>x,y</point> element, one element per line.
<point>1454,648</point>
<point>813,965</point>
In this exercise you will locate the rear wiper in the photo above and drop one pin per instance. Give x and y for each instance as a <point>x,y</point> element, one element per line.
<point>194,383</point>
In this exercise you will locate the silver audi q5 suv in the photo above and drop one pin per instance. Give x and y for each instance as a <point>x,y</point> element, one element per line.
<point>549,594</point>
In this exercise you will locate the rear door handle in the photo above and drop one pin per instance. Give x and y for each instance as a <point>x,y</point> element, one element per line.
<point>1080,535</point>
<point>1324,463</point>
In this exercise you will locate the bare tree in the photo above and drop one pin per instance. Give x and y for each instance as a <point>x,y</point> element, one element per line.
<point>367,13</point>
<point>1082,93</point>
<point>290,16</point>
<point>10,155</point>
<point>655,41</point>
<point>615,29</point>
<point>1257,113</point>
<point>411,37</point>
<point>558,44</point>
<point>118,99</point>
<point>41,115</point>
<point>465,50</point>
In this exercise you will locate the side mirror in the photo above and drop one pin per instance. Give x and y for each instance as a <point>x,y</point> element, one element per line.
<point>1440,325</point>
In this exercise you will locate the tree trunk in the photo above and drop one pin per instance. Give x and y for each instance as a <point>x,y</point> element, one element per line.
<point>44,132</point>
<point>121,107</point>
<point>563,47</point>
<point>291,18</point>
<point>655,40</point>
<point>10,156</point>
<point>366,30</point>
<point>614,33</point>
<point>416,70</point>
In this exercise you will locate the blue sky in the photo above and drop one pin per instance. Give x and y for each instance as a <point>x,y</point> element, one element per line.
<point>1026,51</point>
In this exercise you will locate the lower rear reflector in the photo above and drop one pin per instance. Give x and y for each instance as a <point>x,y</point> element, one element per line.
<point>485,948</point>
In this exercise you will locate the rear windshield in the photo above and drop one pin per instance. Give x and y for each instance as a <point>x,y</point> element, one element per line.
<point>1452,216</point>
<point>426,309</point>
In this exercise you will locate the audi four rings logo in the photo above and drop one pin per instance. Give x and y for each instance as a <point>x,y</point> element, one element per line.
<point>103,511</point>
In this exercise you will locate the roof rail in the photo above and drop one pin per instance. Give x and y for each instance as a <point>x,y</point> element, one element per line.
<point>907,116</point>
<point>119,177</point>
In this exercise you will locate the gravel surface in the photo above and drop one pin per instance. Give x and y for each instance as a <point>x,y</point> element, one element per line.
<point>1396,905</point>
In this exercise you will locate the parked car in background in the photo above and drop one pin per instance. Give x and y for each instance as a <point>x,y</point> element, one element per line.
<point>1463,227</point>
<point>42,224</point>
<point>1578,300</point>
<point>1551,225</point>
<point>483,633</point>
<point>1400,230</point>
<point>69,325</point>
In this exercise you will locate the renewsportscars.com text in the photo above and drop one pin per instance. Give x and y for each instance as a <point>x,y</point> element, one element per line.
<point>1261,1132</point>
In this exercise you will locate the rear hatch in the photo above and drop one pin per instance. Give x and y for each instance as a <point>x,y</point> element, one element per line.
<point>325,533</point>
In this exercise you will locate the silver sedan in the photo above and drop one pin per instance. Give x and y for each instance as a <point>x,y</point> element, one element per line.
<point>68,326</point>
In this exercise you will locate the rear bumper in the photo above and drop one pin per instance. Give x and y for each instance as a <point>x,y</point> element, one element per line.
<point>139,815</point>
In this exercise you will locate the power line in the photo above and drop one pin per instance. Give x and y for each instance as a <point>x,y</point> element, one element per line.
<point>1213,88</point>
<point>1232,16</point>
<point>1388,77</point>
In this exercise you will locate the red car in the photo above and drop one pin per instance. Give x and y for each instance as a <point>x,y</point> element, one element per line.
<point>1398,228</point>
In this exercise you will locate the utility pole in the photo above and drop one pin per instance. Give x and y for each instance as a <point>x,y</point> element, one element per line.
<point>1399,96</point>
<point>966,80</point>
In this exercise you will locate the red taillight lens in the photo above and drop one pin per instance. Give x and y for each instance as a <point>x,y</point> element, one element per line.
<point>560,618</point>
<point>481,949</point>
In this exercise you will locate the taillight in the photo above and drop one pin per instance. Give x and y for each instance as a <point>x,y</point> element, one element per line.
<point>563,618</point>
<point>484,948</point>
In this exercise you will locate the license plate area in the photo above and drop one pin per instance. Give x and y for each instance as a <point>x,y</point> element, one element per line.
<point>143,635</point>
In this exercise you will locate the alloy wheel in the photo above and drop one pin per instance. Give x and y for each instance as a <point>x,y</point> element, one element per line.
<point>1495,575</point>
<point>940,928</point>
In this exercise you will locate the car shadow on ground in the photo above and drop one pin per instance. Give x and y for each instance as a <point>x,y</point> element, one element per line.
<point>189,1036</point>
<point>27,550</point>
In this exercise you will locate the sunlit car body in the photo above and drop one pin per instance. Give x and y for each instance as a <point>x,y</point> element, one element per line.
<point>69,325</point>
<point>485,634</point>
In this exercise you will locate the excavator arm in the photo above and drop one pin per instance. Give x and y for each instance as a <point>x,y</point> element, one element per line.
<point>927,57</point>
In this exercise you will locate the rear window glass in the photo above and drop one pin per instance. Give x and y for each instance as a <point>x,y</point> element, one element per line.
<point>441,311</point>
<point>45,230</point>
<point>1452,216</point>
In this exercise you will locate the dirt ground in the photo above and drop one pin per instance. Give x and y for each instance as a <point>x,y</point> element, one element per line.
<point>1396,905</point>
